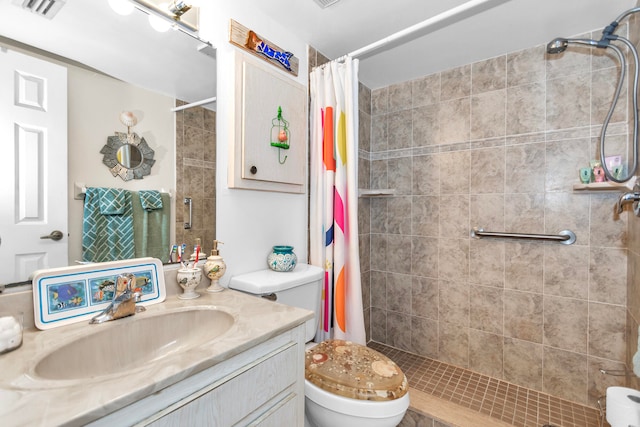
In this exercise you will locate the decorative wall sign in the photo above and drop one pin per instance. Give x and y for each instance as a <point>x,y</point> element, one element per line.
<point>263,48</point>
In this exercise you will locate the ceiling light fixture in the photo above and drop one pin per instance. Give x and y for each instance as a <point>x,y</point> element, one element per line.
<point>176,13</point>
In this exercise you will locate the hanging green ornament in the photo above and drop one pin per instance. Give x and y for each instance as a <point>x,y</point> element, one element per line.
<point>280,134</point>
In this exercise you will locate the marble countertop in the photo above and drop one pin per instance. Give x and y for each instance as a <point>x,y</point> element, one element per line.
<point>27,399</point>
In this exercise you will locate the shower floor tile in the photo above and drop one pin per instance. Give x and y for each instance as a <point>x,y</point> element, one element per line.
<point>509,403</point>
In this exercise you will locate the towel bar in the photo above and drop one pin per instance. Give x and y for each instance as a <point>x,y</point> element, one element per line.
<point>80,189</point>
<point>566,237</point>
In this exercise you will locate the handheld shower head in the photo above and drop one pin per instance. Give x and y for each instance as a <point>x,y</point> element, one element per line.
<point>557,45</point>
<point>560,44</point>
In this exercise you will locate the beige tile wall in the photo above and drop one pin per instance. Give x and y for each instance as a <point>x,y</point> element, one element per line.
<point>498,144</point>
<point>543,316</point>
<point>364,204</point>
<point>196,176</point>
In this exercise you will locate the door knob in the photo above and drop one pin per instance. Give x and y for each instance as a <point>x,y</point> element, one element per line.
<point>55,235</point>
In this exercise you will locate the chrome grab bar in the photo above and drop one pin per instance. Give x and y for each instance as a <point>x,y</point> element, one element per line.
<point>188,201</point>
<point>566,237</point>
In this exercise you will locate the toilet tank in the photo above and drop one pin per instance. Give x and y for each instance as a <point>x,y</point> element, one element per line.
<point>300,287</point>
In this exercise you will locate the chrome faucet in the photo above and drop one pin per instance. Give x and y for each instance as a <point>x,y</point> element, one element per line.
<point>631,197</point>
<point>124,300</point>
<point>625,199</point>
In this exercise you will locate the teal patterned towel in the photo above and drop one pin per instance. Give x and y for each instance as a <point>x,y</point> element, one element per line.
<point>112,201</point>
<point>150,200</point>
<point>151,228</point>
<point>107,237</point>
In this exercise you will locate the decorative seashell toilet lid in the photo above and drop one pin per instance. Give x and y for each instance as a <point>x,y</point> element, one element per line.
<point>352,370</point>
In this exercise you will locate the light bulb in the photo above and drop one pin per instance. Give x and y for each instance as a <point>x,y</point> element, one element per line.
<point>121,7</point>
<point>159,24</point>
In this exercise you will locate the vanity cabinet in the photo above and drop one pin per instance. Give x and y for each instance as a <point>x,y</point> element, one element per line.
<point>262,386</point>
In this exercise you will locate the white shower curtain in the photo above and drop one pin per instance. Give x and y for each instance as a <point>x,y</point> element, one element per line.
<point>334,198</point>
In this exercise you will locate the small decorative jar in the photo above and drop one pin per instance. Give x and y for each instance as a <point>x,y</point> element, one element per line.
<point>215,268</point>
<point>282,259</point>
<point>189,279</point>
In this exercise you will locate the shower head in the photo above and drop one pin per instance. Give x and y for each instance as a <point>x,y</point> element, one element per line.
<point>560,44</point>
<point>557,45</point>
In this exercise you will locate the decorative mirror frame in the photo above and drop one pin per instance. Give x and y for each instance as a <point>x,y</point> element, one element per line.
<point>110,159</point>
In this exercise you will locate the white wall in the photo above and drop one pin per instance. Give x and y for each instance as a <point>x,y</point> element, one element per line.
<point>95,103</point>
<point>250,222</point>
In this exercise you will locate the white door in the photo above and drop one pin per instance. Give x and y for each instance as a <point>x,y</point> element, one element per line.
<point>33,173</point>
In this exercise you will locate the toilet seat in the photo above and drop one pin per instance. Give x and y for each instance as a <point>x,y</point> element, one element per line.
<point>346,369</point>
<point>365,409</point>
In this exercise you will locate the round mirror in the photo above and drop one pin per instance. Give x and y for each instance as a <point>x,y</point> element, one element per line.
<point>129,156</point>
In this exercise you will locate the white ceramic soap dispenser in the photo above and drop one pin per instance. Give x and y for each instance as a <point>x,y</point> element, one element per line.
<point>215,268</point>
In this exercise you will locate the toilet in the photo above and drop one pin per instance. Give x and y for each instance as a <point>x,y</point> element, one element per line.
<point>346,384</point>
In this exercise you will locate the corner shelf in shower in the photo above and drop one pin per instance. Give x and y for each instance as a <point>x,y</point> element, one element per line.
<point>375,192</point>
<point>599,187</point>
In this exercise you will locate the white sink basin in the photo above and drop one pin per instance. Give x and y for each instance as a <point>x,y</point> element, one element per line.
<point>125,344</point>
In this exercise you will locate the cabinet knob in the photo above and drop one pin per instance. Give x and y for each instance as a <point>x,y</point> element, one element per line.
<point>253,170</point>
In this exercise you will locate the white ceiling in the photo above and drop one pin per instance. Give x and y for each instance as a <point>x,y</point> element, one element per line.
<point>495,28</point>
<point>88,31</point>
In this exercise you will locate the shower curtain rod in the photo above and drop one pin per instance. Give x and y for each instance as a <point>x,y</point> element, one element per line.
<point>194,104</point>
<point>416,27</point>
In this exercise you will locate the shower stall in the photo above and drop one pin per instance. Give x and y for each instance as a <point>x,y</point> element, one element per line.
<point>498,143</point>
